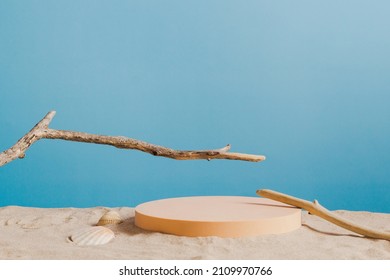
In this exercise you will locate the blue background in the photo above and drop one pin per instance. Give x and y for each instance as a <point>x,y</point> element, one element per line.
<point>305,83</point>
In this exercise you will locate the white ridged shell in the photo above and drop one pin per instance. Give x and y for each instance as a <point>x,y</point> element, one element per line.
<point>110,218</point>
<point>92,236</point>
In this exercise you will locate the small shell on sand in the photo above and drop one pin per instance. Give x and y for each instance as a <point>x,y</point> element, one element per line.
<point>92,236</point>
<point>110,218</point>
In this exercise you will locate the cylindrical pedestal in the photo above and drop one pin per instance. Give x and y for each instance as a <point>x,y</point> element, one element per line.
<point>224,216</point>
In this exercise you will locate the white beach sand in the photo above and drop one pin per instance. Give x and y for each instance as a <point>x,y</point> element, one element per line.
<point>39,233</point>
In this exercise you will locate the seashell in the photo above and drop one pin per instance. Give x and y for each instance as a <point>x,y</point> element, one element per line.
<point>92,236</point>
<point>110,218</point>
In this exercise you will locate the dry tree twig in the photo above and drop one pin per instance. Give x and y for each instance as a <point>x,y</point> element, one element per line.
<point>316,209</point>
<point>42,131</point>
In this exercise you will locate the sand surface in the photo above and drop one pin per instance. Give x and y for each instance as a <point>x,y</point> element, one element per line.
<point>39,233</point>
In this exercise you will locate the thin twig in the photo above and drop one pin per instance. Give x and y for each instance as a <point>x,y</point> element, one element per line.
<point>42,131</point>
<point>316,209</point>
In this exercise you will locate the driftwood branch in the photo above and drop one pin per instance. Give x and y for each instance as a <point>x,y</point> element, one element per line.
<point>316,209</point>
<point>42,131</point>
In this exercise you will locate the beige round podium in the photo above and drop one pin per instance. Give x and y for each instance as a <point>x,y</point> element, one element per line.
<point>224,216</point>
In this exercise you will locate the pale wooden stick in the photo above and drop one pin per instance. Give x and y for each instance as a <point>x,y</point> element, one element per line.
<point>316,209</point>
<point>41,130</point>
